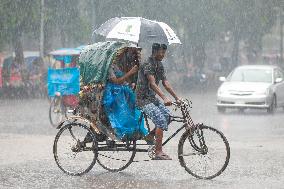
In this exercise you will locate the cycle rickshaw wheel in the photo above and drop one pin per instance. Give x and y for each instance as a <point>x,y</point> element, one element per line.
<point>57,111</point>
<point>204,153</point>
<point>74,152</point>
<point>115,156</point>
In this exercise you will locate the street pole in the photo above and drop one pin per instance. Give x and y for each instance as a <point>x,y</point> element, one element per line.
<point>281,38</point>
<point>41,46</point>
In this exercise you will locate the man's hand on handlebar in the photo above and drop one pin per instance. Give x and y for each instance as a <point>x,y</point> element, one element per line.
<point>178,100</point>
<point>167,102</point>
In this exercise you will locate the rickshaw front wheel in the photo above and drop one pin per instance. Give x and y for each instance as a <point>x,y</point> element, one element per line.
<point>204,152</point>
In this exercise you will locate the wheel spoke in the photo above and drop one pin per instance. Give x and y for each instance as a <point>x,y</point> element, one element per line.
<point>72,134</point>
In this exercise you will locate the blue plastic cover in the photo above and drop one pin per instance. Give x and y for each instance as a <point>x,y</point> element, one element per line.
<point>65,81</point>
<point>119,106</point>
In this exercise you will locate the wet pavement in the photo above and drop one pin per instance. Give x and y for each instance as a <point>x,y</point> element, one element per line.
<point>256,140</point>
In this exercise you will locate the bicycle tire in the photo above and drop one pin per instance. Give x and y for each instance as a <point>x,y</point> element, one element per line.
<point>93,154</point>
<point>199,151</point>
<point>55,123</point>
<point>115,160</point>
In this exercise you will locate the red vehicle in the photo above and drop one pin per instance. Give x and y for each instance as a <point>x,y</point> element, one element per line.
<point>23,80</point>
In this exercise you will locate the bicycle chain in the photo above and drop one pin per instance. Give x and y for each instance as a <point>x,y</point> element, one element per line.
<point>150,150</point>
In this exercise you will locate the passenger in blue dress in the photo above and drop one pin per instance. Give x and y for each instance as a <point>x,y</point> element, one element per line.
<point>119,103</point>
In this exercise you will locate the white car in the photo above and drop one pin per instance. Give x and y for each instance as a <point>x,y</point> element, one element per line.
<point>252,86</point>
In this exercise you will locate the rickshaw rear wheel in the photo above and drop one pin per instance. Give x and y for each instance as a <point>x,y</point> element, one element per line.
<point>73,153</point>
<point>116,156</point>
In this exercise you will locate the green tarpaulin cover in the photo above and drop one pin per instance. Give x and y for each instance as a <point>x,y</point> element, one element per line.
<point>95,59</point>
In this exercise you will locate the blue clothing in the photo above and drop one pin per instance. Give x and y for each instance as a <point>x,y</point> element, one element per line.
<point>119,106</point>
<point>158,113</point>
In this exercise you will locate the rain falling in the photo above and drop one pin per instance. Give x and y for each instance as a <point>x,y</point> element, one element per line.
<point>141,94</point>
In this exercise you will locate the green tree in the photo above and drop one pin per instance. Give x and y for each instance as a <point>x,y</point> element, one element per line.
<point>18,17</point>
<point>64,18</point>
<point>249,21</point>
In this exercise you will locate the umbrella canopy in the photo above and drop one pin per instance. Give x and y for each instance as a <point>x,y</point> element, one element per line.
<point>137,29</point>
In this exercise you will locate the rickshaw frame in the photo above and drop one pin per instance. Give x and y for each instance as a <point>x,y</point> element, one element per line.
<point>193,132</point>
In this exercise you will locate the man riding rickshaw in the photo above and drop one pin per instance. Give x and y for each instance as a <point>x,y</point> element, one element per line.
<point>108,127</point>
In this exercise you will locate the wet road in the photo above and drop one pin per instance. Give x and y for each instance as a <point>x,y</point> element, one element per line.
<point>256,141</point>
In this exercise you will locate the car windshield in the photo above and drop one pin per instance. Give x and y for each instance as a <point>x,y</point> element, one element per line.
<point>251,75</point>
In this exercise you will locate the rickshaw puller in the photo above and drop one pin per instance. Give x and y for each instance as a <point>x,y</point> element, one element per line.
<point>149,76</point>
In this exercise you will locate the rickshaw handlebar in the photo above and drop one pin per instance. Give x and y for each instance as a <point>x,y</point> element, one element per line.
<point>181,103</point>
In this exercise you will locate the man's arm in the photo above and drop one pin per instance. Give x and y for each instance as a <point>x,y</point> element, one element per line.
<point>170,90</point>
<point>156,88</point>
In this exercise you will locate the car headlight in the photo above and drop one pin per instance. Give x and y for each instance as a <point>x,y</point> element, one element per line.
<point>265,92</point>
<point>221,92</point>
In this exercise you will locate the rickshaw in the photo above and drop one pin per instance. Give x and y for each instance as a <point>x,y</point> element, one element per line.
<point>23,80</point>
<point>62,62</point>
<point>87,137</point>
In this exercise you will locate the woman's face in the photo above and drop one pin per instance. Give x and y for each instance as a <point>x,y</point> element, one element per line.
<point>135,54</point>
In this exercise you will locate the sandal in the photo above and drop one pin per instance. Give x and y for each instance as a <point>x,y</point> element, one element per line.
<point>162,157</point>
